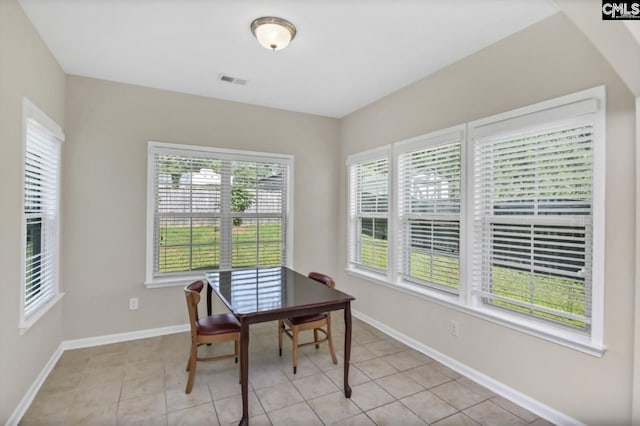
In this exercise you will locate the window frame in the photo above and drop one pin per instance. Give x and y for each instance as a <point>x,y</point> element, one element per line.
<point>420,143</point>
<point>468,301</point>
<point>31,112</point>
<point>152,280</point>
<point>564,108</point>
<point>352,217</point>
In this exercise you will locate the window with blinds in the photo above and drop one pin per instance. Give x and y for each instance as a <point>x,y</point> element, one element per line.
<point>41,212</point>
<point>429,184</point>
<point>369,208</point>
<point>502,217</point>
<point>217,210</point>
<point>533,222</point>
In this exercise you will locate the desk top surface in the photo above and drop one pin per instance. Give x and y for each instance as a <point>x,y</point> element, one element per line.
<point>267,290</point>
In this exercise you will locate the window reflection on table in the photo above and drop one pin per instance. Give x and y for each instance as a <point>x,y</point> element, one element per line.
<point>253,290</point>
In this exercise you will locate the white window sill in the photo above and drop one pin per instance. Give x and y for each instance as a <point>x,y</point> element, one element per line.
<point>174,281</point>
<point>568,338</point>
<point>27,323</point>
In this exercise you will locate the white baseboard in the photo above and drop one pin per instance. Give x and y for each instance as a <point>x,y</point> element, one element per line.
<point>548,413</point>
<point>26,401</point>
<point>123,337</point>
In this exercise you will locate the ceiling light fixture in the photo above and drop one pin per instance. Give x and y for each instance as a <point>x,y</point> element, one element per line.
<point>273,33</point>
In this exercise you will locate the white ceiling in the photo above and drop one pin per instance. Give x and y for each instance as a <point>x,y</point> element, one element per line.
<point>347,53</point>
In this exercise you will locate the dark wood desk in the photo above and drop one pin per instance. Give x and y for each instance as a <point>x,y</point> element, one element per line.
<point>267,294</point>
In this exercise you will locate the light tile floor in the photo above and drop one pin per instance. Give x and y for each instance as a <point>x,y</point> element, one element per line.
<point>142,383</point>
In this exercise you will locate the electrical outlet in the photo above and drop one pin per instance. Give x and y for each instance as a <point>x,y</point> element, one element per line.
<point>454,328</point>
<point>133,303</point>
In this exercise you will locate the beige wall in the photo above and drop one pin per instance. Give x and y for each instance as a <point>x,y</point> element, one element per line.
<point>26,69</point>
<point>104,201</point>
<point>105,180</point>
<point>549,59</point>
<point>635,416</point>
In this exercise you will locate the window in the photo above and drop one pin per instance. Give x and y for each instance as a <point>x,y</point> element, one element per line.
<point>369,211</point>
<point>429,178</point>
<point>41,214</point>
<point>533,213</point>
<point>502,217</point>
<point>215,209</point>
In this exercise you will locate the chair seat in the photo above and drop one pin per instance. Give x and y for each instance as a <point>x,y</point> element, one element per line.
<point>218,324</point>
<point>307,318</point>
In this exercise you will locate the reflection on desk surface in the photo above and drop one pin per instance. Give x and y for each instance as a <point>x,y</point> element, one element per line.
<point>247,291</point>
<point>253,290</point>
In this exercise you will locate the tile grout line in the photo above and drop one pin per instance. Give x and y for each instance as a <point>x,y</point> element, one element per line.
<point>317,362</point>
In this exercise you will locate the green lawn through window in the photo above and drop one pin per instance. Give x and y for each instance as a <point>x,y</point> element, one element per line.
<point>185,248</point>
<point>551,292</point>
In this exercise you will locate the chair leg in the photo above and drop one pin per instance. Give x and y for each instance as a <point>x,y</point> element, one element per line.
<point>236,352</point>
<point>294,331</point>
<point>280,331</point>
<point>191,355</point>
<point>330,339</point>
<point>315,337</point>
<point>192,367</point>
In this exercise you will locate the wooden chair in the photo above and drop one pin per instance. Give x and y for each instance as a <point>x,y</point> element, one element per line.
<point>211,329</point>
<point>293,326</point>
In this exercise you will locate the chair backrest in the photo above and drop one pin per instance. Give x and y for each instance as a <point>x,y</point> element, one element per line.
<point>192,293</point>
<point>322,278</point>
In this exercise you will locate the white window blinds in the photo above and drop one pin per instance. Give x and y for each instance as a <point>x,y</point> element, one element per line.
<point>429,212</point>
<point>369,213</point>
<point>41,216</point>
<point>217,211</point>
<point>533,225</point>
<point>502,217</point>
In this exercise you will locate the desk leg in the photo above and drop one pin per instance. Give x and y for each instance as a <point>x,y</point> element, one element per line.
<point>244,370</point>
<point>347,348</point>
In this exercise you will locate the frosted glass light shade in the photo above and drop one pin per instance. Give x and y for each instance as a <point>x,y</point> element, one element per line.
<point>273,33</point>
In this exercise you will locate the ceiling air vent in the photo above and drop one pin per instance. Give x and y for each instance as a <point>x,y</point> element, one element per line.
<point>229,79</point>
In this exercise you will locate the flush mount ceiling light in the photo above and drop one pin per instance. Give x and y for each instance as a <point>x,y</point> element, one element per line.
<point>273,33</point>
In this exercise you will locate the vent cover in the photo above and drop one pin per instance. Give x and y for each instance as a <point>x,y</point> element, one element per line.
<point>230,79</point>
